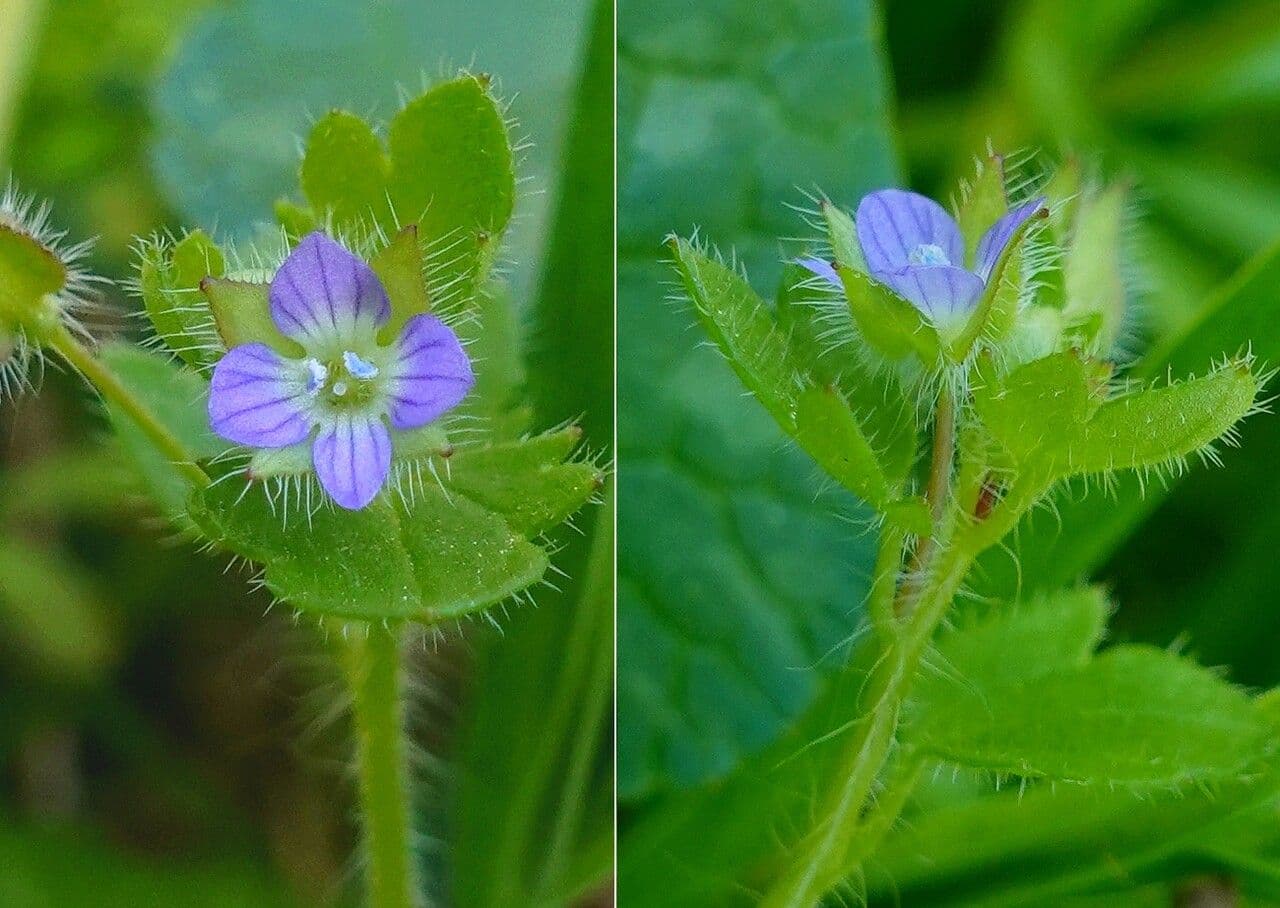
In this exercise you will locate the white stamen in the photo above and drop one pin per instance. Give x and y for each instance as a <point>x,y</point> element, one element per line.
<point>359,368</point>
<point>318,375</point>
<point>928,254</point>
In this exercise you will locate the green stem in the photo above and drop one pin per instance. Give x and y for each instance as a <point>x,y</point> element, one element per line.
<point>937,494</point>
<point>888,807</point>
<point>884,582</point>
<point>923,599</point>
<point>114,391</point>
<point>371,657</point>
<point>821,862</point>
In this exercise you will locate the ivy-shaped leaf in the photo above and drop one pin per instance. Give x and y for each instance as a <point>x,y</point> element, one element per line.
<point>1019,695</point>
<point>448,168</point>
<point>441,549</point>
<point>1082,532</point>
<point>1036,407</point>
<point>345,170</point>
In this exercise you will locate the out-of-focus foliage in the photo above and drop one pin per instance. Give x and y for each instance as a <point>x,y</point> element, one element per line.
<point>251,74</point>
<point>723,109</point>
<point>535,792</point>
<point>83,127</point>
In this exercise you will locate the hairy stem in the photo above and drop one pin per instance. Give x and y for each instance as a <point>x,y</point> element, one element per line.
<point>821,861</point>
<point>371,658</point>
<point>96,372</point>
<point>938,491</point>
<point>875,825</point>
<point>938,495</point>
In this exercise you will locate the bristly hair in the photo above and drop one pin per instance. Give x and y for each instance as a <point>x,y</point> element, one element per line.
<point>78,298</point>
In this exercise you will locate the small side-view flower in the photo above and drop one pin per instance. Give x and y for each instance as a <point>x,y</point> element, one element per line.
<point>913,246</point>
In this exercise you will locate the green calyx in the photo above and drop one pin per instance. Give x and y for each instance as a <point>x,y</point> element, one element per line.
<point>997,309</point>
<point>241,310</point>
<point>31,276</point>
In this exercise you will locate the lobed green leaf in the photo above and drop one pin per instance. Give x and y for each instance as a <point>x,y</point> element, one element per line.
<point>345,171</point>
<point>1050,416</point>
<point>1037,410</point>
<point>445,548</point>
<point>817,417</point>
<point>1025,849</point>
<point>453,173</point>
<point>1133,716</point>
<point>1149,428</point>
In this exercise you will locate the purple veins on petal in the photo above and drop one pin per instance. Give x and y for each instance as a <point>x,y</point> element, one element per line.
<point>430,375</point>
<point>997,237</point>
<point>822,269</point>
<point>892,224</point>
<point>937,290</point>
<point>324,293</point>
<point>352,458</point>
<point>253,401</point>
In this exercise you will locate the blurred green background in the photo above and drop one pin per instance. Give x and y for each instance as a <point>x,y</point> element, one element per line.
<point>741,576</point>
<point>163,739</point>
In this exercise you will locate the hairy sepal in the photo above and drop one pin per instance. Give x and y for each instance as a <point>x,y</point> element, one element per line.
<point>888,323</point>
<point>998,306</point>
<point>29,272</point>
<point>170,277</point>
<point>983,202</point>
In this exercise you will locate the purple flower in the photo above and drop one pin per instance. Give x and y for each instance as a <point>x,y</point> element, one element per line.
<point>913,247</point>
<point>347,389</point>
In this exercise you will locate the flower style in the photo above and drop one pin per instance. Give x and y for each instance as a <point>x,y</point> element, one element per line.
<point>914,247</point>
<point>346,385</point>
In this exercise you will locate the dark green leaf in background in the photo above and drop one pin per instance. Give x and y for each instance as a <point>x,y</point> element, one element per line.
<point>734,579</point>
<point>251,75</point>
<point>535,754</point>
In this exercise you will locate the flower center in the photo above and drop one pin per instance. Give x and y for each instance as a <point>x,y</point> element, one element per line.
<point>345,383</point>
<point>928,254</point>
